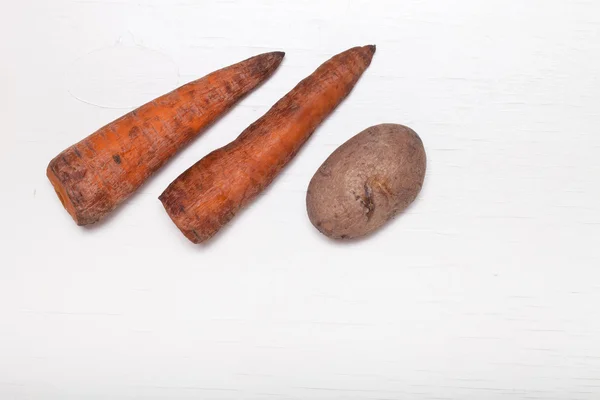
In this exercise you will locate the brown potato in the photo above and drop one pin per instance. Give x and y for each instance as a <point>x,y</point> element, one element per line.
<point>367,181</point>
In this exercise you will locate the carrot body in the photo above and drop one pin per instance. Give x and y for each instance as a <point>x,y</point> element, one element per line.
<point>97,174</point>
<point>211,192</point>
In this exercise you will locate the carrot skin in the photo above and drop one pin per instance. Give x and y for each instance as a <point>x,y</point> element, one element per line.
<point>206,196</point>
<point>97,174</point>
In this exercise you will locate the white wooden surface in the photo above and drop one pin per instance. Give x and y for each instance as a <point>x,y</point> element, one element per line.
<point>487,288</point>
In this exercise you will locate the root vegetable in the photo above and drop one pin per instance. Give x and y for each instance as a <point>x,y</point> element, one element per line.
<point>367,181</point>
<point>211,192</point>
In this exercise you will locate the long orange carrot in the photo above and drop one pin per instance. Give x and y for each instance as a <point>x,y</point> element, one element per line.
<point>97,174</point>
<point>210,193</point>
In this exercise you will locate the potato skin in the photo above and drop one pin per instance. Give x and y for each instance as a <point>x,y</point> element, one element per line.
<point>367,181</point>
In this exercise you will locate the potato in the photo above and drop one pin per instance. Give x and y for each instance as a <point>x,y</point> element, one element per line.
<point>365,182</point>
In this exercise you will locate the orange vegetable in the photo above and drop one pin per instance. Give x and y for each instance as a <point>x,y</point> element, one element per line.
<point>97,174</point>
<point>210,193</point>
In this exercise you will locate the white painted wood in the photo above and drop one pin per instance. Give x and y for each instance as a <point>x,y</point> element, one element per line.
<point>487,288</point>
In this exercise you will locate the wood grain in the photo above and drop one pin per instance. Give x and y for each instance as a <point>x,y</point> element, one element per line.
<point>494,288</point>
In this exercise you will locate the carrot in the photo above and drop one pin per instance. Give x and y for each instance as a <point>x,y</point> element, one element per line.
<point>97,174</point>
<point>211,192</point>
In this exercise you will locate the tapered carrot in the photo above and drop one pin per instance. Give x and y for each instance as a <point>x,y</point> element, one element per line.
<point>210,193</point>
<point>97,174</point>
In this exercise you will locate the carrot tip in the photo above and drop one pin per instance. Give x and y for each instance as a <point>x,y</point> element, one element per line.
<point>371,48</point>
